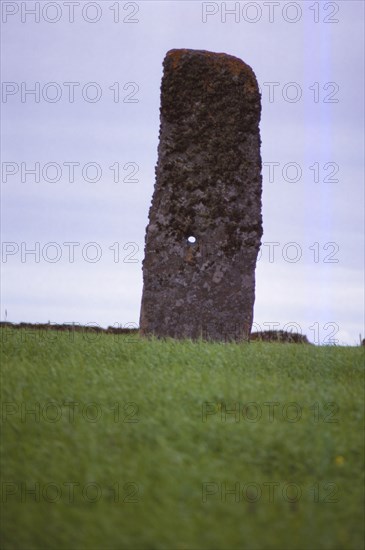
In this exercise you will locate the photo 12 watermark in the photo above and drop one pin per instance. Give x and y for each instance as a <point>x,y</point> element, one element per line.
<point>128,333</point>
<point>71,492</point>
<point>69,172</point>
<point>270,412</point>
<point>73,171</point>
<point>52,412</point>
<point>70,12</point>
<point>269,492</point>
<point>293,92</point>
<point>70,332</point>
<point>270,12</point>
<point>294,172</point>
<point>69,92</point>
<point>131,252</point>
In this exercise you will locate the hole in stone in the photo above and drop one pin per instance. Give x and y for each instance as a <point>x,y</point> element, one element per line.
<point>191,239</point>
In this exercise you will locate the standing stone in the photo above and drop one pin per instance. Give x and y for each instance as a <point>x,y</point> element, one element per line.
<point>205,222</point>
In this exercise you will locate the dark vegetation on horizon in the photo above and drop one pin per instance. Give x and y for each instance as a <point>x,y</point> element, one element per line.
<point>266,336</point>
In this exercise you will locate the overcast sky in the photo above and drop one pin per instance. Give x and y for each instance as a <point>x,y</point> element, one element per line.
<point>79,152</point>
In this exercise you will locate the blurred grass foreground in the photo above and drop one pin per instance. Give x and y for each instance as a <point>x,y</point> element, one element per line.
<point>116,442</point>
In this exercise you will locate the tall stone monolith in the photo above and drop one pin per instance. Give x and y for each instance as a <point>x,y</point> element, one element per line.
<point>205,222</point>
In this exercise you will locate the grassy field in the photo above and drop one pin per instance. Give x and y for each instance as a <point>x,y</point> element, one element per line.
<point>114,442</point>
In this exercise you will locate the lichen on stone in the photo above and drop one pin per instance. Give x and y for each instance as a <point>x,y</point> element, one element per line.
<point>208,185</point>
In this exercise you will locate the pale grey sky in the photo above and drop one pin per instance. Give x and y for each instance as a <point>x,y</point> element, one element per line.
<point>95,69</point>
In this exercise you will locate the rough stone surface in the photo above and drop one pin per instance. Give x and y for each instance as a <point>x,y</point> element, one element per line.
<point>208,186</point>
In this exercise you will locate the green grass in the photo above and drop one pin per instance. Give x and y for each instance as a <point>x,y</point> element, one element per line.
<point>163,462</point>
